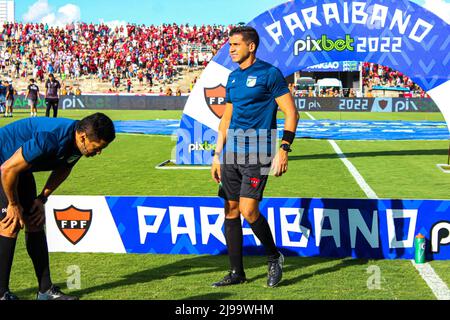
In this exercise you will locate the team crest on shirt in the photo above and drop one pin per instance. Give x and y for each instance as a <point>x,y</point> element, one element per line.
<point>251,81</point>
<point>73,223</point>
<point>215,99</point>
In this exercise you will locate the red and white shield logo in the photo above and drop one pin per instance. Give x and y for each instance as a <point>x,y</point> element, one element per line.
<point>73,223</point>
<point>254,182</point>
<point>215,99</point>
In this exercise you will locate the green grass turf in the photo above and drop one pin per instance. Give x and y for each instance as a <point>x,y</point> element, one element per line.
<point>394,169</point>
<point>132,276</point>
<point>401,169</point>
<point>133,159</point>
<point>442,268</point>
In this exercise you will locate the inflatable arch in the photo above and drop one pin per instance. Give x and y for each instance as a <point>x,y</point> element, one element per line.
<point>301,33</point>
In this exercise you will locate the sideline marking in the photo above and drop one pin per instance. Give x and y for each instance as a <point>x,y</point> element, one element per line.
<point>354,172</point>
<point>426,271</point>
<point>439,288</point>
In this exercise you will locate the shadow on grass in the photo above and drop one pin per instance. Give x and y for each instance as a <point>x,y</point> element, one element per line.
<point>210,296</point>
<point>303,263</point>
<point>29,292</point>
<point>396,153</point>
<point>205,265</point>
<point>185,267</point>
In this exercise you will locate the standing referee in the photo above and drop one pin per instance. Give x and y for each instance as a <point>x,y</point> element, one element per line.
<point>246,149</point>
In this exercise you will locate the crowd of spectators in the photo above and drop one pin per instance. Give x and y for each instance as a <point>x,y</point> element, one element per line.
<point>376,81</point>
<point>375,75</point>
<point>146,53</point>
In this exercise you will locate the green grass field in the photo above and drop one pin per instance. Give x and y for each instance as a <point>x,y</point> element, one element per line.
<point>402,169</point>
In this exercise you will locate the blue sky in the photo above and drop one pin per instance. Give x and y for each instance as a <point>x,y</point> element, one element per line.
<point>156,11</point>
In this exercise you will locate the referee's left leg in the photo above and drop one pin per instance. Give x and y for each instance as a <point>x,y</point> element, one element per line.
<point>249,208</point>
<point>8,240</point>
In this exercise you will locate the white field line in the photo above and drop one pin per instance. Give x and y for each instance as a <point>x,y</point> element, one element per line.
<point>353,171</point>
<point>439,288</point>
<point>426,271</point>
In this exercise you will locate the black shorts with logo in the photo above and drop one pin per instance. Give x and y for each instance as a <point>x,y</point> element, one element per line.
<point>26,189</point>
<point>243,180</point>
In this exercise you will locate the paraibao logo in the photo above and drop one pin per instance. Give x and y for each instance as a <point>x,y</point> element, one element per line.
<point>73,223</point>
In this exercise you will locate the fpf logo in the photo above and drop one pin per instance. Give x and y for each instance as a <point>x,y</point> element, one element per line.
<point>73,223</point>
<point>215,99</point>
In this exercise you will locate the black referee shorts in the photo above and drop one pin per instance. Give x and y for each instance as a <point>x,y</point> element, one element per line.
<point>243,180</point>
<point>26,189</point>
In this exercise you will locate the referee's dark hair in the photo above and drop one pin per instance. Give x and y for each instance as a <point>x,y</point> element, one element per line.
<point>248,33</point>
<point>97,126</point>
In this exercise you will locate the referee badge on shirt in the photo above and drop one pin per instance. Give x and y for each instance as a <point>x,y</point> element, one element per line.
<point>251,81</point>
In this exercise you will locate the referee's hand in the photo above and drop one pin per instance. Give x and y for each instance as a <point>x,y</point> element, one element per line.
<point>37,217</point>
<point>13,220</point>
<point>215,169</point>
<point>280,163</point>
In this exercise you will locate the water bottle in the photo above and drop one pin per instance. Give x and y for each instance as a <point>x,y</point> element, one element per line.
<point>419,245</point>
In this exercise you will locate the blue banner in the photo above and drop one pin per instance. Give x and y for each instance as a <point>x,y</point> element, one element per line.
<point>311,129</point>
<point>359,228</point>
<point>195,142</point>
<point>397,33</point>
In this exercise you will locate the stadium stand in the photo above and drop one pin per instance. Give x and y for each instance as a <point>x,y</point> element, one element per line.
<point>97,58</point>
<point>384,80</point>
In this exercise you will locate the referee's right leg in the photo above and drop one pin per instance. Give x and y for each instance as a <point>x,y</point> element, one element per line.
<point>47,107</point>
<point>55,108</point>
<point>229,191</point>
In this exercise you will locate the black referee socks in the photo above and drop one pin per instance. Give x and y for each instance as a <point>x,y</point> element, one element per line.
<point>38,252</point>
<point>261,229</point>
<point>233,236</point>
<point>7,246</point>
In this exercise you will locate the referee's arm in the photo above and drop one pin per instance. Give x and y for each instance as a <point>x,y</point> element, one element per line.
<point>221,140</point>
<point>11,170</point>
<point>291,117</point>
<point>287,106</point>
<point>56,178</point>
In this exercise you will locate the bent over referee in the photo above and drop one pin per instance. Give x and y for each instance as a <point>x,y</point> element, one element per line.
<point>40,144</point>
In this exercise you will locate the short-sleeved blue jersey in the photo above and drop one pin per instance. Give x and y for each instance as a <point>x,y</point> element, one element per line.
<point>253,91</point>
<point>47,143</point>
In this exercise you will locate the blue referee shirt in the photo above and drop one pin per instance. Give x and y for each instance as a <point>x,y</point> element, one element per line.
<point>47,143</point>
<point>252,91</point>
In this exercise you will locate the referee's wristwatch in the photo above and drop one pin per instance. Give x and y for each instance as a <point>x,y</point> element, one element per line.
<point>286,147</point>
<point>214,153</point>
